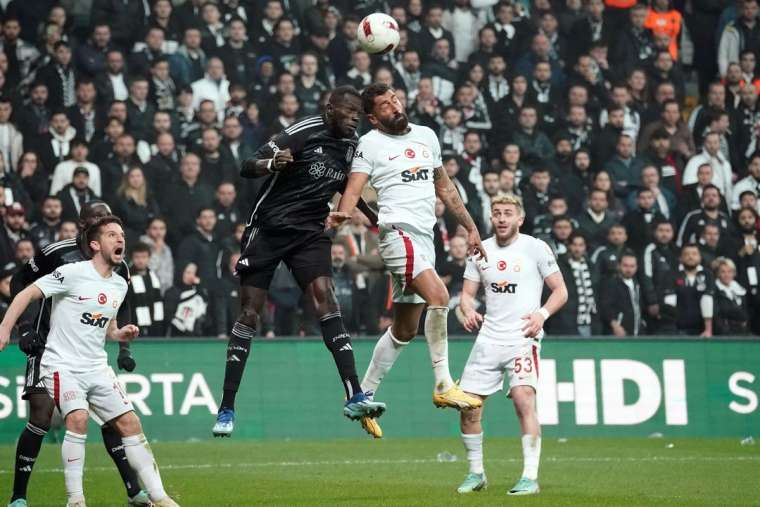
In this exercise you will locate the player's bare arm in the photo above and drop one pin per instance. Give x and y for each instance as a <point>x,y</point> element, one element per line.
<point>121,334</point>
<point>15,310</point>
<point>350,199</point>
<point>472,319</point>
<point>534,322</point>
<point>447,192</point>
<point>254,168</point>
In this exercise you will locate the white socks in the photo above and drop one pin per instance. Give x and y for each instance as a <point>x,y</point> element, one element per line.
<point>72,455</point>
<point>387,350</point>
<point>473,446</point>
<point>437,338</point>
<point>531,445</point>
<point>141,460</point>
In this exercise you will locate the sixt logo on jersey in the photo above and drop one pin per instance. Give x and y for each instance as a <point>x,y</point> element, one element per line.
<point>94,319</point>
<point>414,174</point>
<point>503,287</point>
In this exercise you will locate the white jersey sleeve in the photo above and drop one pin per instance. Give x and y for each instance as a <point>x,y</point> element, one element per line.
<point>547,261</point>
<point>471,271</point>
<point>58,282</point>
<point>362,163</point>
<point>436,148</point>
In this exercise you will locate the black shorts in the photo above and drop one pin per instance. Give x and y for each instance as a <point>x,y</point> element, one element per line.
<point>306,254</point>
<point>32,383</point>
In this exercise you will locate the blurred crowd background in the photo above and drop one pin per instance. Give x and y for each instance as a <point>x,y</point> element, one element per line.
<point>630,131</point>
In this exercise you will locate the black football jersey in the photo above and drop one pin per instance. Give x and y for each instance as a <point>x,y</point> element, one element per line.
<point>297,196</point>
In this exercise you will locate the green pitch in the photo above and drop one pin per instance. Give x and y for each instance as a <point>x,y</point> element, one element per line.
<point>403,472</point>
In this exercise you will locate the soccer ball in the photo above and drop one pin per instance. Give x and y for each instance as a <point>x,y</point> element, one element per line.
<point>378,33</point>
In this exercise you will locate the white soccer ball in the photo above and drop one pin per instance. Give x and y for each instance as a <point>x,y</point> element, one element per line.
<point>378,33</point>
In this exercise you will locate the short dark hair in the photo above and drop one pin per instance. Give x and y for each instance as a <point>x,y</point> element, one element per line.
<point>627,253</point>
<point>710,186</point>
<point>341,92</point>
<point>660,133</point>
<point>370,93</point>
<point>141,247</point>
<point>577,234</point>
<point>204,208</point>
<point>94,231</point>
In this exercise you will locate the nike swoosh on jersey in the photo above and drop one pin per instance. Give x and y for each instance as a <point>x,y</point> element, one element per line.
<point>393,158</point>
<point>83,298</point>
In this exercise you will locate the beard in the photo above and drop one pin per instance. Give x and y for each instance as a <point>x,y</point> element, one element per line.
<point>506,235</point>
<point>396,125</point>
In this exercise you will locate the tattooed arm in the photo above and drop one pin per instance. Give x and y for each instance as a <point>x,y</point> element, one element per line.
<point>447,192</point>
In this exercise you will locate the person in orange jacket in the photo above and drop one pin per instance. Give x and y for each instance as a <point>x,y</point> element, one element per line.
<point>662,18</point>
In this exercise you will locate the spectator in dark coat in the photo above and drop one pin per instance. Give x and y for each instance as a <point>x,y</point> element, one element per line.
<point>90,57</point>
<point>531,140</point>
<point>596,219</point>
<point>227,212</point>
<point>74,195</point>
<point>640,222</point>
<point>731,317</point>
<point>622,312</point>
<point>34,178</point>
<point>127,19</point>
<point>189,196</point>
<point>12,231</point>
<point>579,316</point>
<point>44,231</point>
<point>145,301</point>
<point>139,111</point>
<point>33,119</point>
<point>59,77</point>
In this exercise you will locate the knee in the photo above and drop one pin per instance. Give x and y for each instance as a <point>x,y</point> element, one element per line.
<point>76,421</point>
<point>439,297</point>
<point>325,301</point>
<point>128,425</point>
<point>524,399</point>
<point>248,315</point>
<point>470,418</point>
<point>41,411</point>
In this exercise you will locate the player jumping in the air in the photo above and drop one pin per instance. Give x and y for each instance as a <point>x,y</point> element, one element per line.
<point>307,164</point>
<point>509,342</point>
<point>33,328</point>
<point>74,366</point>
<point>402,161</point>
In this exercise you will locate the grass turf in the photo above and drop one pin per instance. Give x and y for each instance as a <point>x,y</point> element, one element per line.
<point>405,472</point>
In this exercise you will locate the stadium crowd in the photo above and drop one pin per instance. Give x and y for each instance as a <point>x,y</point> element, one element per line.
<point>629,130</point>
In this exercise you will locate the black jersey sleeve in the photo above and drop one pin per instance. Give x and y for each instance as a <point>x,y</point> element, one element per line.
<point>292,138</point>
<point>38,266</point>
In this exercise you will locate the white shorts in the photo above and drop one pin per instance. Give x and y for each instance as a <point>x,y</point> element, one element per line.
<point>489,362</point>
<point>99,392</point>
<point>406,255</point>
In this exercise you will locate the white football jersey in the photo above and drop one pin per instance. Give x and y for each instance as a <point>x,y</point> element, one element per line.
<point>513,281</point>
<point>400,169</point>
<point>83,305</point>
